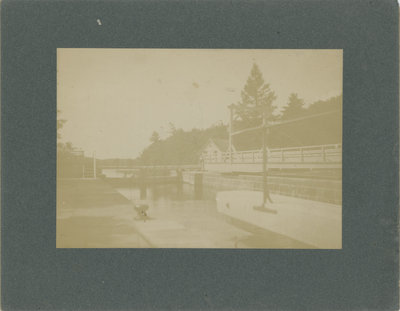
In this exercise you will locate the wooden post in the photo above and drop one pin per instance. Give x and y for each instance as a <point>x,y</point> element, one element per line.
<point>264,149</point>
<point>264,166</point>
<point>179,182</point>
<point>198,185</point>
<point>179,176</point>
<point>230,133</point>
<point>142,184</point>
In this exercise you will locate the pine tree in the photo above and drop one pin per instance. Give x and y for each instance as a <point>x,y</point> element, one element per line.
<point>294,109</point>
<point>172,128</point>
<point>155,137</point>
<point>256,100</point>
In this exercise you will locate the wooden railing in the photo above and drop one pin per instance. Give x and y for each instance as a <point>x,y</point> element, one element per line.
<point>307,154</point>
<point>134,171</point>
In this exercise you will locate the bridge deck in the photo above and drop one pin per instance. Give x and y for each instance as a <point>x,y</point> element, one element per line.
<point>307,157</point>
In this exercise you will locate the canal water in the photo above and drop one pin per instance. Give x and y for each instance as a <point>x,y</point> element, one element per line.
<point>179,205</point>
<point>169,193</point>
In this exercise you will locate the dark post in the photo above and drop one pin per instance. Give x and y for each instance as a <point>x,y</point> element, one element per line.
<point>179,177</point>
<point>142,184</point>
<point>266,195</point>
<point>265,178</point>
<point>179,182</point>
<point>230,132</point>
<point>198,185</point>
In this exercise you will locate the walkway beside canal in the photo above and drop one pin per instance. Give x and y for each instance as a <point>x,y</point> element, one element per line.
<point>91,214</point>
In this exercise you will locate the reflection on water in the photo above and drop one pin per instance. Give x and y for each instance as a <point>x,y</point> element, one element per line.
<point>183,192</point>
<point>178,204</point>
<point>173,201</point>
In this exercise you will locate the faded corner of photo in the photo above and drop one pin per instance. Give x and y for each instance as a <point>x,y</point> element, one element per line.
<point>199,148</point>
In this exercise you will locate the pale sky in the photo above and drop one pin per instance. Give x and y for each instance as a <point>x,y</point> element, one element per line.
<point>113,99</point>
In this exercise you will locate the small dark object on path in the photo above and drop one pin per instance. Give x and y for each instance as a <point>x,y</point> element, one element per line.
<point>141,211</point>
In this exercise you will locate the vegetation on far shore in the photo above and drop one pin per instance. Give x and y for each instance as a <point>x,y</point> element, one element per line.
<point>255,107</point>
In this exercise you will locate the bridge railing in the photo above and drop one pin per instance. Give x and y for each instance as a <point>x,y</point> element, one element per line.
<point>139,167</point>
<point>316,154</point>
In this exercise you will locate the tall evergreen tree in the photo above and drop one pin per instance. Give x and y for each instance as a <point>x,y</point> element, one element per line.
<point>256,100</point>
<point>155,137</point>
<point>294,108</point>
<point>172,128</point>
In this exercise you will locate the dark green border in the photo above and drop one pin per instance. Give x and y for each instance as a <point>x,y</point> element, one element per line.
<point>364,275</point>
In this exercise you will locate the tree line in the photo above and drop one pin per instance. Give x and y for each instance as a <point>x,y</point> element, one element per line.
<point>255,107</point>
<point>181,147</point>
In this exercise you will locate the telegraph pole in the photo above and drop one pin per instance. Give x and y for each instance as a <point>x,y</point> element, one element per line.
<point>264,165</point>
<point>230,132</point>
<point>265,131</point>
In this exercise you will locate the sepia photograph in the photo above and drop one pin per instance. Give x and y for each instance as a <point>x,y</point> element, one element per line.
<point>200,155</point>
<point>199,148</point>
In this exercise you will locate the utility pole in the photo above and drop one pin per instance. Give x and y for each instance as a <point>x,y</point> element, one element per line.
<point>265,130</point>
<point>264,165</point>
<point>230,132</point>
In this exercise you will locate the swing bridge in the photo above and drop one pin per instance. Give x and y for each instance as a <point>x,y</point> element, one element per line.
<point>321,157</point>
<point>148,171</point>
